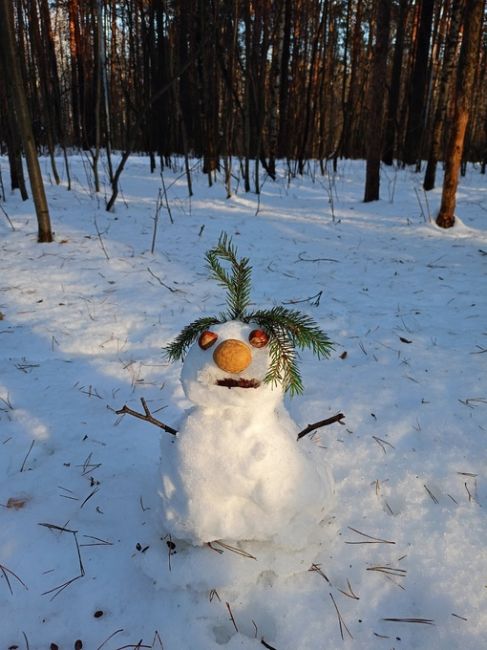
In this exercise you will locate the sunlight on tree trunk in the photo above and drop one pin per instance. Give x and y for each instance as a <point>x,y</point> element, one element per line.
<point>472,27</point>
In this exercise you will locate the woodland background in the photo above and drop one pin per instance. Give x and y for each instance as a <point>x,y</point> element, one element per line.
<point>385,80</point>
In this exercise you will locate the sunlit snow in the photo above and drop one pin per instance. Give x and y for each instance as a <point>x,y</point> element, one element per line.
<point>86,550</point>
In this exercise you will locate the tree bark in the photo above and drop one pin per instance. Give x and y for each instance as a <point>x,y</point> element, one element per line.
<point>376,100</point>
<point>472,28</point>
<point>24,121</point>
<point>418,85</point>
<point>395,88</point>
<point>446,81</point>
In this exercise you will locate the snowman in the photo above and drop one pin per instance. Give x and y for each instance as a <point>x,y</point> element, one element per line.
<point>235,471</point>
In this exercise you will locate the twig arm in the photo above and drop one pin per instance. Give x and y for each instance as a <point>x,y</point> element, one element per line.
<point>147,416</point>
<point>322,423</point>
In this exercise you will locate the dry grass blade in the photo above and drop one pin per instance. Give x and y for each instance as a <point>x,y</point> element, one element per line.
<point>369,538</point>
<point>266,645</point>
<point>60,588</point>
<point>57,590</point>
<point>61,529</point>
<point>22,467</point>
<point>419,621</point>
<point>231,616</point>
<point>317,569</point>
<point>214,594</point>
<point>97,542</point>
<point>234,549</point>
<point>433,498</point>
<point>110,637</point>
<point>350,593</point>
<point>400,573</point>
<point>6,572</point>
<point>341,622</point>
<point>382,443</point>
<point>88,466</point>
<point>462,618</point>
<point>89,496</point>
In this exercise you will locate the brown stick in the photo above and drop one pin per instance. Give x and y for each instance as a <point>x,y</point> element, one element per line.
<point>323,423</point>
<point>147,416</point>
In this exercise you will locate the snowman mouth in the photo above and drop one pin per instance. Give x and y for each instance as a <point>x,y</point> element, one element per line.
<point>229,382</point>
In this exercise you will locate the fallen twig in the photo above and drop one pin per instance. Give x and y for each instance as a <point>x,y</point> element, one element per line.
<point>317,259</point>
<point>57,590</point>
<point>370,539</point>
<point>166,286</point>
<point>101,240</point>
<point>313,300</point>
<point>350,593</point>
<point>234,549</point>
<point>6,572</point>
<point>422,621</point>
<point>433,498</point>
<point>231,616</point>
<point>400,573</point>
<point>341,622</point>
<point>323,423</point>
<point>110,637</point>
<point>147,416</point>
<point>382,443</point>
<point>27,456</point>
<point>8,218</point>
<point>317,569</point>
<point>266,645</point>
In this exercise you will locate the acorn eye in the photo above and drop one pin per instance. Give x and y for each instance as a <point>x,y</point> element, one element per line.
<point>207,339</point>
<point>258,338</point>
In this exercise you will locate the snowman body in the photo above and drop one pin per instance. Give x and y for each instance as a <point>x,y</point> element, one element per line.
<point>235,470</point>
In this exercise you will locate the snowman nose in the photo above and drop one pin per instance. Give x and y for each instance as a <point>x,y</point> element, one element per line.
<point>232,356</point>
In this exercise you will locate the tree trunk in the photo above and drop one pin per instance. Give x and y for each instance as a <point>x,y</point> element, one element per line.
<point>395,88</point>
<point>24,122</point>
<point>376,100</point>
<point>472,28</point>
<point>418,85</point>
<point>446,80</point>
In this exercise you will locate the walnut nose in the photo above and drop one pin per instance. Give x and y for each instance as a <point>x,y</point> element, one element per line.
<point>232,356</point>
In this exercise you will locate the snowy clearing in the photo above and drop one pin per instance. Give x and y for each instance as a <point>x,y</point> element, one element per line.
<point>401,561</point>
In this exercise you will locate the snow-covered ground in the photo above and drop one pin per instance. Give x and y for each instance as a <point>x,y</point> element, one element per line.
<point>401,561</point>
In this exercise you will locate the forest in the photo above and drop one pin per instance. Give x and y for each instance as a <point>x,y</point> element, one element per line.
<point>389,81</point>
<point>243,340</point>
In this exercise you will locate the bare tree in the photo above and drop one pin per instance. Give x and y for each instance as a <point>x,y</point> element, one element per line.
<point>376,100</point>
<point>10,58</point>
<point>472,28</point>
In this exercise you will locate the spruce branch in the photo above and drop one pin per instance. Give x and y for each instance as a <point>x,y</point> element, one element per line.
<point>177,349</point>
<point>289,329</point>
<point>302,329</point>
<point>237,283</point>
<point>283,367</point>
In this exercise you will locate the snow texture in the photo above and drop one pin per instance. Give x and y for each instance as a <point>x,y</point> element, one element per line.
<point>85,552</point>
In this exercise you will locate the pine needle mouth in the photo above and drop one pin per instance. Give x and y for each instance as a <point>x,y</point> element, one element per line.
<point>229,382</point>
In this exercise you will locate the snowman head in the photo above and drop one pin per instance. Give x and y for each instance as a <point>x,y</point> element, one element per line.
<point>242,351</point>
<point>228,366</point>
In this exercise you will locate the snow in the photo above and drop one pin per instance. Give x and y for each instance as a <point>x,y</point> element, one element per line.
<point>399,561</point>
